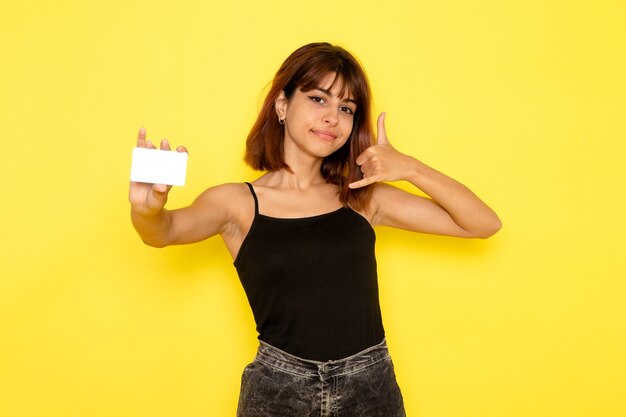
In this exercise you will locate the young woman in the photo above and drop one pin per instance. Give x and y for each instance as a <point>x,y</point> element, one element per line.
<point>302,239</point>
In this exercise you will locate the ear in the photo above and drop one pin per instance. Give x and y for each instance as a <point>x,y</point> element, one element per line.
<point>280,104</point>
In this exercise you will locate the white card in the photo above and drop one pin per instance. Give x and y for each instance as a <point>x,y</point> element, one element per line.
<point>155,166</point>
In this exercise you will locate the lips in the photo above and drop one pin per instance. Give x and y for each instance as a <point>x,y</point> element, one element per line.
<point>325,134</point>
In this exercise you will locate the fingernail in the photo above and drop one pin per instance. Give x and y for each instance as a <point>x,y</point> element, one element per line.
<point>142,130</point>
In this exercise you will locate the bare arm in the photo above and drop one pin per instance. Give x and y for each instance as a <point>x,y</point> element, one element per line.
<point>452,208</point>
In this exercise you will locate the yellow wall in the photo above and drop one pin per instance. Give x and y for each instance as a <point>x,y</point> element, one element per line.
<point>522,101</point>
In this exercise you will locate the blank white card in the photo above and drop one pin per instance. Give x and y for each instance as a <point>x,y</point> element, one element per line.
<point>156,166</point>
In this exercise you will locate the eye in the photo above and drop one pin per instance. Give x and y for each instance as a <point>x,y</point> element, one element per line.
<point>317,99</point>
<point>347,110</point>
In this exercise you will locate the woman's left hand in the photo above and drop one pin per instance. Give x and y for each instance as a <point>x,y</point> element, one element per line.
<point>381,162</point>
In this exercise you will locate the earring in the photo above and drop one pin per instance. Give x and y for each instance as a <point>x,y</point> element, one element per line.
<point>281,120</point>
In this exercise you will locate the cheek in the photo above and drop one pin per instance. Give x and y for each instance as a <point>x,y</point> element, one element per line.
<point>347,122</point>
<point>346,133</point>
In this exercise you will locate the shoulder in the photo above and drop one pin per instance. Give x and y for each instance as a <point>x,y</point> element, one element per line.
<point>382,190</point>
<point>380,193</point>
<point>228,200</point>
<point>231,204</point>
<point>228,194</point>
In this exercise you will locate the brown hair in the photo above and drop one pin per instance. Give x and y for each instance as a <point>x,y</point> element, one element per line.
<point>304,69</point>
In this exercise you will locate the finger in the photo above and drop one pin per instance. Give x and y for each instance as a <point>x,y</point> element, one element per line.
<point>365,155</point>
<point>362,183</point>
<point>366,167</point>
<point>150,145</point>
<point>159,188</point>
<point>182,149</point>
<point>382,133</point>
<point>141,138</point>
<point>165,145</point>
<point>160,191</point>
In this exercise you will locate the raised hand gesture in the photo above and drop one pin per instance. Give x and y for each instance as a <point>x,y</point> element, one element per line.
<point>382,162</point>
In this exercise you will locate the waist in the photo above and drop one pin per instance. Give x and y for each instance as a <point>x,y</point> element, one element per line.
<point>274,357</point>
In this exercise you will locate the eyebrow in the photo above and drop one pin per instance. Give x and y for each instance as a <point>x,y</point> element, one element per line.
<point>327,92</point>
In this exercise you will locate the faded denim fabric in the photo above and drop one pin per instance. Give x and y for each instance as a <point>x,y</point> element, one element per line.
<point>278,384</point>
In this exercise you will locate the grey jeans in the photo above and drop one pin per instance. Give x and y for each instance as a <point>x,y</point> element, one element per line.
<point>279,384</point>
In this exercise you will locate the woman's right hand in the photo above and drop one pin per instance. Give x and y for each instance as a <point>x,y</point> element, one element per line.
<point>147,199</point>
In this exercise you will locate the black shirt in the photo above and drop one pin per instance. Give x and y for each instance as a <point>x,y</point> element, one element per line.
<point>312,283</point>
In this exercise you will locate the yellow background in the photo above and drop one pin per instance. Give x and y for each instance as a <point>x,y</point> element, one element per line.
<point>522,101</point>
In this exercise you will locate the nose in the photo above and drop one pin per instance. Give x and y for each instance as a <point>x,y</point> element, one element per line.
<point>331,117</point>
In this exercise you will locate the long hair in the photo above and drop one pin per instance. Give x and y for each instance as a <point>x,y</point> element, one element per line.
<point>304,69</point>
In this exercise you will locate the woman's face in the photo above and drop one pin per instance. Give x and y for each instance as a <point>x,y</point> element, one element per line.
<point>317,122</point>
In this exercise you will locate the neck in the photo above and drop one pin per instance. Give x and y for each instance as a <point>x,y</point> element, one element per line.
<point>305,170</point>
<point>296,179</point>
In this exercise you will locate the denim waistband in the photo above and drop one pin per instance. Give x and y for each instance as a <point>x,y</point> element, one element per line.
<point>274,357</point>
